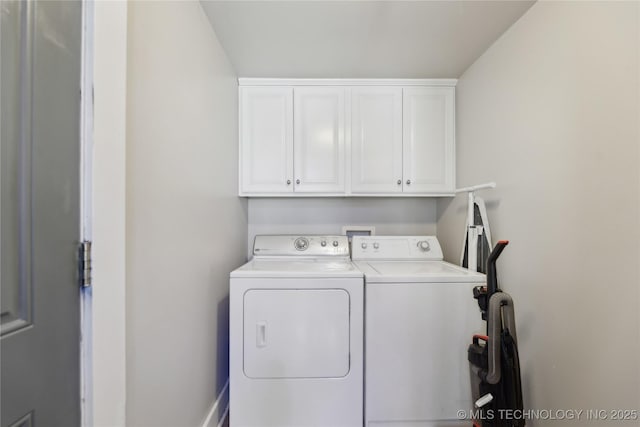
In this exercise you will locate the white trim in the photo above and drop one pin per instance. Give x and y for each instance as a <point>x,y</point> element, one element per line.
<point>224,416</point>
<point>374,195</point>
<point>86,120</point>
<point>250,81</point>
<point>109,213</point>
<point>213,416</point>
<point>86,201</point>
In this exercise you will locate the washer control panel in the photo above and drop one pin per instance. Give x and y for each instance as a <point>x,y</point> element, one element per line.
<point>295,245</point>
<point>409,248</point>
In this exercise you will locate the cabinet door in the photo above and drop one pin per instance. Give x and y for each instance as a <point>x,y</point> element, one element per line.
<point>319,139</point>
<point>376,140</point>
<point>266,140</point>
<point>429,140</point>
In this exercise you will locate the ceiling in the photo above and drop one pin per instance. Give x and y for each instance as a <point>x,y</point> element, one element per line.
<point>358,39</point>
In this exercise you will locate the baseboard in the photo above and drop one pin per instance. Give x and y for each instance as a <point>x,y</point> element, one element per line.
<point>224,417</point>
<point>219,409</point>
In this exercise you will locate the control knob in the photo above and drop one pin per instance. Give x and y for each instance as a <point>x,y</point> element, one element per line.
<point>424,245</point>
<point>363,245</point>
<point>376,245</point>
<point>301,244</point>
<point>335,243</point>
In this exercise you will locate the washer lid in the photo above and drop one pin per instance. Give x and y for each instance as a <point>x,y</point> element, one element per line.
<point>417,272</point>
<point>260,267</point>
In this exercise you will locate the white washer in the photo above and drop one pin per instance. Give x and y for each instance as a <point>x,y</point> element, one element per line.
<point>420,316</point>
<point>296,334</point>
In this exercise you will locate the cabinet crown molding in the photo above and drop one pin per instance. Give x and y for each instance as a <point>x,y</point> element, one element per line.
<point>251,81</point>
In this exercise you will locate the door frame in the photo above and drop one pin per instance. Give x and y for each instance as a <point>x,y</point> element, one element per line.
<point>86,161</point>
<point>103,347</point>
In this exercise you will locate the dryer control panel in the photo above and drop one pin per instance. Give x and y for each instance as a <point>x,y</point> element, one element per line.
<point>399,248</point>
<point>296,245</point>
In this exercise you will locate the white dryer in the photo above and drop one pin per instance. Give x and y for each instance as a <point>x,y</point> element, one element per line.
<point>296,334</point>
<point>420,316</point>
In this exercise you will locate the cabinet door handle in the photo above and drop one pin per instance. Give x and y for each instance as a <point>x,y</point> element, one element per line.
<point>297,181</point>
<point>408,182</point>
<point>288,182</point>
<point>399,182</point>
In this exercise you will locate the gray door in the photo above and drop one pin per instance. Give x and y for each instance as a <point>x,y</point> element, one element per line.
<point>40,156</point>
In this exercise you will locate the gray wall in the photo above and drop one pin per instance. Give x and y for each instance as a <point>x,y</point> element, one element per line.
<point>550,112</point>
<point>186,227</point>
<point>410,216</point>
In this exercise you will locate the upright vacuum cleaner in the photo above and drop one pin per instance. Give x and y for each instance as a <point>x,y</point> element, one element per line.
<point>493,358</point>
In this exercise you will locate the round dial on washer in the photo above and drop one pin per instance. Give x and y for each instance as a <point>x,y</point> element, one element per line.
<point>363,245</point>
<point>335,243</point>
<point>323,243</point>
<point>301,243</point>
<point>376,245</point>
<point>424,245</point>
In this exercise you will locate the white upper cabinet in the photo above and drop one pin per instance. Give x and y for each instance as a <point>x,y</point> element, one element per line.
<point>376,140</point>
<point>333,137</point>
<point>266,140</point>
<point>319,149</point>
<point>429,139</point>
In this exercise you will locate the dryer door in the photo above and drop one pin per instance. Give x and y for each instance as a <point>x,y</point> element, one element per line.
<point>296,333</point>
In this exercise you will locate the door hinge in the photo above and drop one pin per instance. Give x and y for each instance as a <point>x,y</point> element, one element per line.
<point>84,263</point>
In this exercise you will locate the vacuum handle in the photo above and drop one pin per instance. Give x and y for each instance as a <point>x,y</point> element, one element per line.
<point>478,337</point>
<point>501,316</point>
<point>492,279</point>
